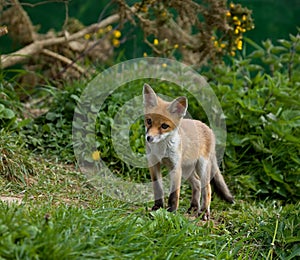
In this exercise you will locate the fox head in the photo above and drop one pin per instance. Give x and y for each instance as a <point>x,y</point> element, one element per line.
<point>161,117</point>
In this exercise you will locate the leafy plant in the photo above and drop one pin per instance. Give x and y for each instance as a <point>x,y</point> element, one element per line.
<point>261,103</point>
<point>51,133</point>
<point>9,103</point>
<point>15,162</point>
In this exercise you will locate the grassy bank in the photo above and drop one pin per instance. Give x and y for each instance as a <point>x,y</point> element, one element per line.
<point>59,215</point>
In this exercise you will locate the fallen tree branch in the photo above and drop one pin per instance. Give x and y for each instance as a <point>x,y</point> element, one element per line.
<point>37,46</point>
<point>63,59</point>
<point>20,55</point>
<point>3,30</point>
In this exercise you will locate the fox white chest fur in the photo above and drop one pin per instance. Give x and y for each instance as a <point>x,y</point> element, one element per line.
<point>164,151</point>
<point>187,147</point>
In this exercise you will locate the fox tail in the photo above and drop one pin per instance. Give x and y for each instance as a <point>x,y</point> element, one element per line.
<point>219,184</point>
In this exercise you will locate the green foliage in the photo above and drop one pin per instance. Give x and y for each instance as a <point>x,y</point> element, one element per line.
<point>260,100</point>
<point>15,162</point>
<point>51,133</point>
<point>261,103</point>
<point>106,122</point>
<point>9,103</point>
<point>62,217</point>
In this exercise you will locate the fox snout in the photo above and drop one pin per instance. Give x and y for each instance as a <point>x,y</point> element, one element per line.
<point>155,138</point>
<point>149,138</point>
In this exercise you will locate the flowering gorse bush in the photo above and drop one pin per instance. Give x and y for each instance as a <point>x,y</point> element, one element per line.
<point>195,32</point>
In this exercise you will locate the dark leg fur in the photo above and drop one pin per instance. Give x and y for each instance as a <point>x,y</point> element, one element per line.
<point>173,201</point>
<point>158,204</point>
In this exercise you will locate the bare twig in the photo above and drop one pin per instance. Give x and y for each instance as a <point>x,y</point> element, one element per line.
<point>66,14</point>
<point>44,2</point>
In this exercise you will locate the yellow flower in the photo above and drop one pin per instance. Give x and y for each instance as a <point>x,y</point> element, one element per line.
<point>176,46</point>
<point>228,14</point>
<point>144,9</point>
<point>145,54</point>
<point>155,42</point>
<point>115,42</point>
<point>235,18</point>
<point>239,45</point>
<point>108,28</point>
<point>216,44</point>
<point>117,34</point>
<point>164,65</point>
<point>231,5</point>
<point>236,31</point>
<point>87,36</point>
<point>96,155</point>
<point>232,53</point>
<point>244,17</point>
<point>101,31</point>
<point>238,22</point>
<point>223,45</point>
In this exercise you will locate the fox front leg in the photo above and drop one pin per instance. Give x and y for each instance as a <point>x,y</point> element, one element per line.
<point>157,186</point>
<point>173,201</point>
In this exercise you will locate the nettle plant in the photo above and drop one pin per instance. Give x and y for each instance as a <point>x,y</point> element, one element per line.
<point>260,98</point>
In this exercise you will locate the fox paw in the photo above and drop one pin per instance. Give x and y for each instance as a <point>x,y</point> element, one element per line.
<point>156,207</point>
<point>192,209</point>
<point>171,209</point>
<point>205,215</point>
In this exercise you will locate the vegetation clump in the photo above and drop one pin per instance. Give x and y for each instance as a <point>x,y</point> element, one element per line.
<point>64,215</point>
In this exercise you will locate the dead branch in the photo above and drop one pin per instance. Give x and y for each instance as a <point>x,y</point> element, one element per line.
<point>37,46</point>
<point>63,59</point>
<point>3,30</point>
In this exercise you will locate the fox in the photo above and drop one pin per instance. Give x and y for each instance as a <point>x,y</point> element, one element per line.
<point>187,148</point>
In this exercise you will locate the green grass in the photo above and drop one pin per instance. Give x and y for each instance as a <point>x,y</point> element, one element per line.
<point>61,216</point>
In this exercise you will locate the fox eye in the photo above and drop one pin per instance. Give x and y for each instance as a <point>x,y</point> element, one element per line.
<point>149,121</point>
<point>164,126</point>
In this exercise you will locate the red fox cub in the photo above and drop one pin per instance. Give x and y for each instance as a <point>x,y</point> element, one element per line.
<point>186,147</point>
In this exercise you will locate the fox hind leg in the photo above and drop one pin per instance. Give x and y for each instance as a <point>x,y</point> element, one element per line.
<point>203,169</point>
<point>194,180</point>
<point>205,202</point>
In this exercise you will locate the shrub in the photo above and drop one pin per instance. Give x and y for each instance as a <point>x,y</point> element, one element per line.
<point>51,133</point>
<point>260,97</point>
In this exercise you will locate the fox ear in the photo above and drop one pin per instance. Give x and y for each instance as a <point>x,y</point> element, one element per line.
<point>150,98</point>
<point>179,106</point>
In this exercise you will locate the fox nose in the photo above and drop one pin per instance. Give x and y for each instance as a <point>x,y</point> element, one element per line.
<point>149,138</point>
